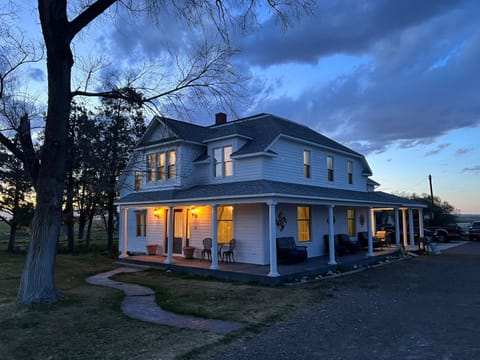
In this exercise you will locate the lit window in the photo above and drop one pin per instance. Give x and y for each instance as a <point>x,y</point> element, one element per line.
<point>351,222</point>
<point>161,166</point>
<point>138,180</point>
<point>306,163</point>
<point>224,224</point>
<point>303,220</point>
<point>330,167</point>
<point>141,223</point>
<point>227,161</point>
<point>223,165</point>
<point>350,171</point>
<point>150,167</point>
<point>172,159</point>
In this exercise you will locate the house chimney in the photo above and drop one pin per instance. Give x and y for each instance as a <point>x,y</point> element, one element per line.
<point>220,118</point>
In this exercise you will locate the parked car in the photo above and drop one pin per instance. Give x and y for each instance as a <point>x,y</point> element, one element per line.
<point>437,235</point>
<point>474,231</point>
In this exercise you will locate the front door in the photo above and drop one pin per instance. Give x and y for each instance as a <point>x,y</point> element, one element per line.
<point>178,230</point>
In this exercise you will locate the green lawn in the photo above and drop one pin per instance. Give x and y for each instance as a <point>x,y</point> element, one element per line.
<point>88,324</point>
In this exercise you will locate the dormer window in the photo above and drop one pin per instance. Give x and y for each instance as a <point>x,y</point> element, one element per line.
<point>223,165</point>
<point>161,174</point>
<point>138,180</point>
<point>150,167</point>
<point>172,164</point>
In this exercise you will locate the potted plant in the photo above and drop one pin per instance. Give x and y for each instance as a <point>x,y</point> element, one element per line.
<point>188,250</point>
<point>152,249</point>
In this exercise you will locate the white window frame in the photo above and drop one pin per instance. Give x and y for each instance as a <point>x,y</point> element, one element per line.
<point>223,163</point>
<point>307,164</point>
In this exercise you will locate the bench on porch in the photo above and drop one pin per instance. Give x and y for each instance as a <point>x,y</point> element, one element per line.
<point>343,244</point>
<point>289,251</point>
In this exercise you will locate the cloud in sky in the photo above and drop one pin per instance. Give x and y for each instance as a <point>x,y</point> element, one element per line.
<point>475,169</point>
<point>462,151</point>
<point>418,83</point>
<point>436,151</point>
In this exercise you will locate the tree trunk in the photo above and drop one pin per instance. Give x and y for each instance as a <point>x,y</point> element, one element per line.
<point>89,226</point>
<point>12,237</point>
<point>37,284</point>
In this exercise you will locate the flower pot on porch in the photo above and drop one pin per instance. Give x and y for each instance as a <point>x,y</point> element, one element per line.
<point>188,252</point>
<point>152,249</point>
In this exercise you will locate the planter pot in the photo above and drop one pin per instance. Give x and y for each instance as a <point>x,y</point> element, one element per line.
<point>188,252</point>
<point>152,249</point>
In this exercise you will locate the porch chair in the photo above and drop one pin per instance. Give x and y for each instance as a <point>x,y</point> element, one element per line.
<point>347,243</point>
<point>207,249</point>
<point>289,252</point>
<point>228,255</point>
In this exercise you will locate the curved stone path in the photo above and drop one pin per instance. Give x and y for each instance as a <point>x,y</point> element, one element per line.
<point>140,304</point>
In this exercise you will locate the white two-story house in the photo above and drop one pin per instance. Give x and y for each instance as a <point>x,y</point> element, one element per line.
<point>252,180</point>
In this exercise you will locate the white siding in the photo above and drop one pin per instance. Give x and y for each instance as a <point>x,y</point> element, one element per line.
<point>288,167</point>
<point>248,231</point>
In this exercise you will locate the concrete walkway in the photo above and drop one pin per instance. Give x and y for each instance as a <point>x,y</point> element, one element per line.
<point>140,304</point>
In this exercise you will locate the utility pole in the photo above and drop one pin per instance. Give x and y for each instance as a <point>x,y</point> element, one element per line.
<point>431,189</point>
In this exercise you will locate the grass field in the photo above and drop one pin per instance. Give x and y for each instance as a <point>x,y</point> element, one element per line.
<point>88,324</point>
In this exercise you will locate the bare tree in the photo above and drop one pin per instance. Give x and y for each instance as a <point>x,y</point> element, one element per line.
<point>61,22</point>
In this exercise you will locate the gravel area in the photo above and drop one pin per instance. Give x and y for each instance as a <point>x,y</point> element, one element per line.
<point>427,307</point>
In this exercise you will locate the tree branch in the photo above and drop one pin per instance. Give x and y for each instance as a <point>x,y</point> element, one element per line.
<point>89,14</point>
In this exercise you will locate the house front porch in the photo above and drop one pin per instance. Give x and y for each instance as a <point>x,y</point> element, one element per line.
<point>260,273</point>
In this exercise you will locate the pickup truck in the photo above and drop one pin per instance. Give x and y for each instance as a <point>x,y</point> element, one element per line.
<point>474,231</point>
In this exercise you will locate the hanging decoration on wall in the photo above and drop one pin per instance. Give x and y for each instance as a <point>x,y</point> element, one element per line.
<point>362,219</point>
<point>281,221</point>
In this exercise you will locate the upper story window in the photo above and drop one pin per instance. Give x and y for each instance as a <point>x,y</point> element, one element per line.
<point>330,168</point>
<point>306,163</point>
<point>161,166</point>
<point>161,174</point>
<point>350,171</point>
<point>150,167</point>
<point>138,180</point>
<point>223,165</point>
<point>172,164</point>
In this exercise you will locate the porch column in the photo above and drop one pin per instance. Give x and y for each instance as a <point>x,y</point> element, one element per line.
<point>404,227</point>
<point>331,239</point>
<point>124,227</point>
<point>410,226</point>
<point>397,228</point>
<point>273,240</point>
<point>214,265</point>
<point>374,221</point>
<point>169,259</point>
<point>421,233</point>
<point>371,229</point>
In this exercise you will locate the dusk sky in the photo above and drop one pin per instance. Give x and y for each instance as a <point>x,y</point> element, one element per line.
<point>395,80</point>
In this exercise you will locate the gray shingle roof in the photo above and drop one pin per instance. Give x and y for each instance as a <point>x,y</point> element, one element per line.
<point>262,129</point>
<point>264,188</point>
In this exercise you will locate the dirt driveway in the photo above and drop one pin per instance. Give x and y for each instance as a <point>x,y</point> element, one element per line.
<point>424,308</point>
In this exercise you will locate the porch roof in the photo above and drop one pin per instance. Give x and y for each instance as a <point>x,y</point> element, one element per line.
<point>279,191</point>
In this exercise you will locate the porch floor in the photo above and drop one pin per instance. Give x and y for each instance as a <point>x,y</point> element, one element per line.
<point>259,273</point>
